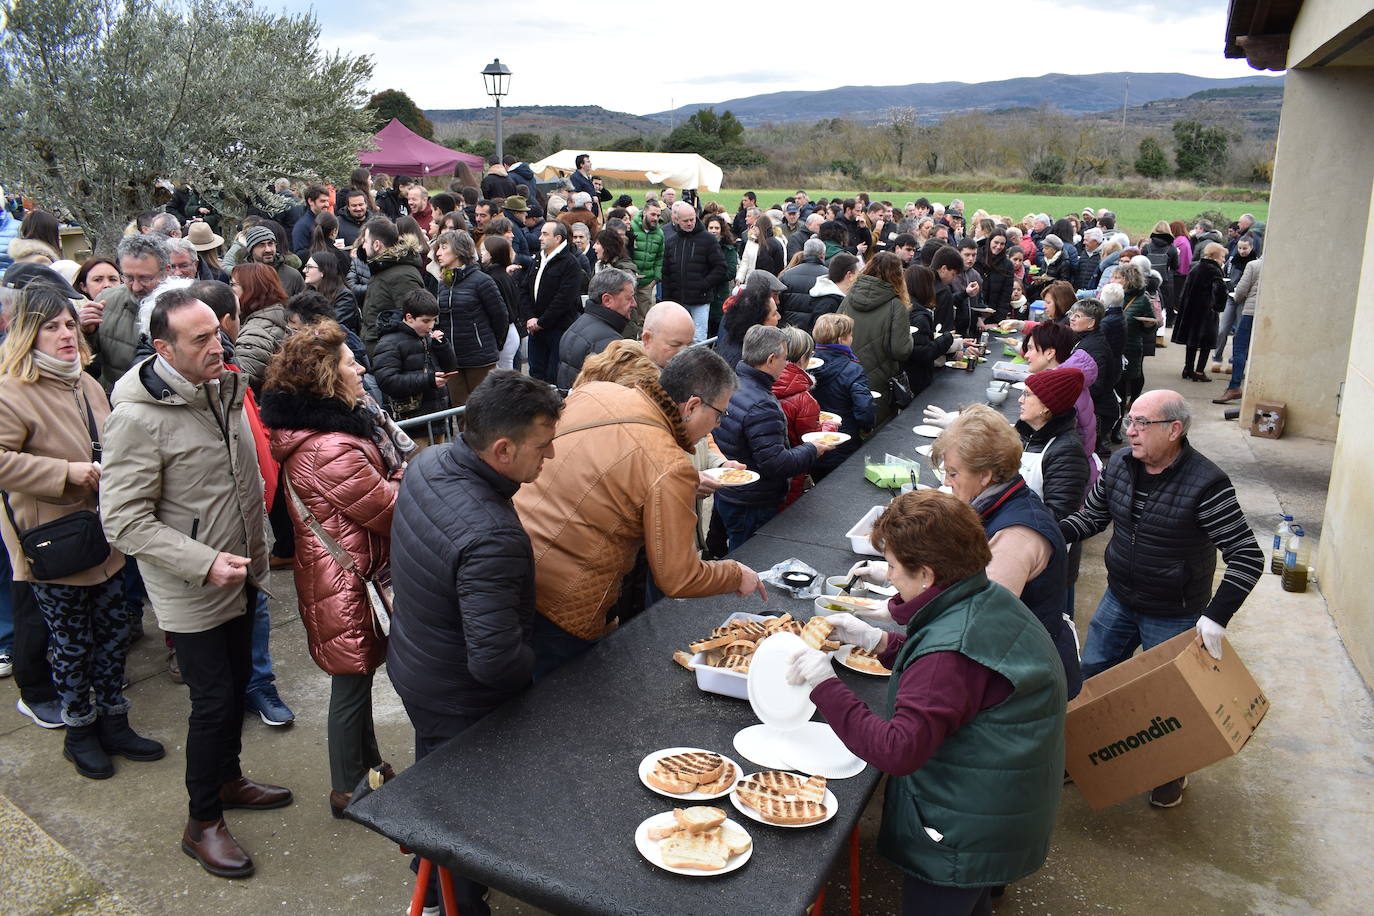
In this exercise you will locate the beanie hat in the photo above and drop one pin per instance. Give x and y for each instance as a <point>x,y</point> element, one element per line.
<point>1057,389</point>
<point>256,236</point>
<point>1053,241</point>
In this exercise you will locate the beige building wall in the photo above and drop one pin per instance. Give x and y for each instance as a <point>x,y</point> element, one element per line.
<point>1346,556</point>
<point>1323,170</point>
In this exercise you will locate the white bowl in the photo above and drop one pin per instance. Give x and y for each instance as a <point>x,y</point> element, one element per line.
<point>996,395</point>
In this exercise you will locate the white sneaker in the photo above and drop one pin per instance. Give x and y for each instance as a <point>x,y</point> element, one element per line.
<point>6,666</point>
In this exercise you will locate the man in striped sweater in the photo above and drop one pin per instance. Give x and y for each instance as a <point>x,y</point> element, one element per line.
<point>1171,510</point>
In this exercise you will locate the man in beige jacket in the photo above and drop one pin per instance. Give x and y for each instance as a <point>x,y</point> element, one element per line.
<point>182,493</point>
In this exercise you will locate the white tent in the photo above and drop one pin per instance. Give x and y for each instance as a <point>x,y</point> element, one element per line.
<point>675,170</point>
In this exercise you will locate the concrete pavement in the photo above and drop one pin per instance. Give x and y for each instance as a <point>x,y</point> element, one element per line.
<point>1283,827</point>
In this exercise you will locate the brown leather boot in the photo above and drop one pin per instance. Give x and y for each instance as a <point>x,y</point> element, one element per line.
<point>338,801</point>
<point>257,796</point>
<point>1227,396</point>
<point>212,845</point>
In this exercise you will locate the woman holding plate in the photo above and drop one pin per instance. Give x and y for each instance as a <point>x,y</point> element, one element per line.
<point>974,677</point>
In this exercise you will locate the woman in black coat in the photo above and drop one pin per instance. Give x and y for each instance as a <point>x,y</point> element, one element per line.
<point>497,257</point>
<point>472,314</point>
<point>926,346</point>
<point>1202,300</point>
<point>995,269</point>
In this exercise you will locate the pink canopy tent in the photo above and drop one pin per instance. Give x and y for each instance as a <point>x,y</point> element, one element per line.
<point>401,151</point>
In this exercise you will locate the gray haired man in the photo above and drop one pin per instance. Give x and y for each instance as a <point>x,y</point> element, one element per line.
<point>610,299</point>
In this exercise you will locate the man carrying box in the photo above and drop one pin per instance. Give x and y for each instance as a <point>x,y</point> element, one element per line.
<point>1171,509</point>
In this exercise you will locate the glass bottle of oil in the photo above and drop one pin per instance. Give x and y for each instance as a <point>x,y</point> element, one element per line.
<point>1281,534</point>
<point>1295,562</point>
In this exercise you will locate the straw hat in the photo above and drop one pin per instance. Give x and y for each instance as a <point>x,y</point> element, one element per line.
<point>202,237</point>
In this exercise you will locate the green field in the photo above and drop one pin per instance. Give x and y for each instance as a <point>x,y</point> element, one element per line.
<point>1136,216</point>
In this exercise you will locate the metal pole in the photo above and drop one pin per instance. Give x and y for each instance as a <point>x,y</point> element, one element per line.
<point>500,151</point>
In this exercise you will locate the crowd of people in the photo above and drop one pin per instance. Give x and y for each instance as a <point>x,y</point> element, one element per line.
<point>201,408</point>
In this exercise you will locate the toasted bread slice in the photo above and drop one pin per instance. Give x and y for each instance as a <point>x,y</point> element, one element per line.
<point>667,830</point>
<point>751,629</point>
<point>739,647</point>
<point>684,659</point>
<point>738,663</point>
<point>706,852</point>
<point>794,627</point>
<point>713,642</point>
<point>699,818</point>
<point>669,782</point>
<point>812,790</point>
<point>737,840</point>
<point>816,631</point>
<point>866,661</point>
<point>829,646</point>
<point>727,779</point>
<point>695,766</point>
<point>775,811</point>
<point>777,781</point>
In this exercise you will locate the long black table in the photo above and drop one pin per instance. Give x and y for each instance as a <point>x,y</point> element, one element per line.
<point>541,799</point>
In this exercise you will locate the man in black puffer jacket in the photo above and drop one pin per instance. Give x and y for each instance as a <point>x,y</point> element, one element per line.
<point>411,357</point>
<point>463,569</point>
<point>610,299</point>
<point>693,266</point>
<point>796,299</point>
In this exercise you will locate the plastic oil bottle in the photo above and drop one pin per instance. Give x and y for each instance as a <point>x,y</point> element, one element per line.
<point>1281,534</point>
<point>1295,562</point>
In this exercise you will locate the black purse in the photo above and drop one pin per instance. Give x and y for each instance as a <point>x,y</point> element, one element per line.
<point>70,544</point>
<point>899,389</point>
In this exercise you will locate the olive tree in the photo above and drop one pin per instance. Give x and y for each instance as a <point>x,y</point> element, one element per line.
<point>105,99</point>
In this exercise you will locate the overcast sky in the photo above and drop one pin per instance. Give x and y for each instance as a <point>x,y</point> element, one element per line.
<point>617,55</point>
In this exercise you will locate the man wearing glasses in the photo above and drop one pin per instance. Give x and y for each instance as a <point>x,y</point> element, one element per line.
<point>1171,510</point>
<point>622,479</point>
<point>144,262</point>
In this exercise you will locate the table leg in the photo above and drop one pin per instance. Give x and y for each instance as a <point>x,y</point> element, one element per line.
<point>818,904</point>
<point>854,872</point>
<point>417,899</point>
<point>446,891</point>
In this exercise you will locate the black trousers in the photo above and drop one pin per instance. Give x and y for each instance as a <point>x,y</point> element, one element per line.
<point>922,899</point>
<point>432,729</point>
<point>32,673</point>
<point>215,664</point>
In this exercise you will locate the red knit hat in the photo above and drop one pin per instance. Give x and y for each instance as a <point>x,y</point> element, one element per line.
<point>1057,389</point>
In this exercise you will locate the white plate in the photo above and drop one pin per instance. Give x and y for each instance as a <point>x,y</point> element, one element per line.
<point>759,744</point>
<point>649,848</point>
<point>832,807</point>
<point>924,450</point>
<point>842,656</point>
<point>828,417</point>
<point>647,764</point>
<point>816,750</point>
<point>876,394</point>
<point>776,702</point>
<point>716,473</point>
<point>930,432</point>
<point>817,436</point>
<point>814,362</point>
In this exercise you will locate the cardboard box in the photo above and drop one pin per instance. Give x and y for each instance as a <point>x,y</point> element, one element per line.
<point>1269,419</point>
<point>1165,713</point>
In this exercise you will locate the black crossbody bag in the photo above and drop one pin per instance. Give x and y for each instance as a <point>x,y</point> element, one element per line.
<point>70,544</point>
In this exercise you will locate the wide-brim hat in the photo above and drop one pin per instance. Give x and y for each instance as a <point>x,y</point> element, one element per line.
<point>202,237</point>
<point>516,204</point>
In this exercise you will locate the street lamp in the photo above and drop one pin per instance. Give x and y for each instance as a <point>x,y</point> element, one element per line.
<point>496,76</point>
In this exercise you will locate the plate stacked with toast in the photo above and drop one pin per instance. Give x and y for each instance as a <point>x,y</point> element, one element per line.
<point>695,841</point>
<point>689,773</point>
<point>785,799</point>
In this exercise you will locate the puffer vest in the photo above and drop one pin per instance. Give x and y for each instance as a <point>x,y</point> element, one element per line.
<point>1162,565</point>
<point>992,788</point>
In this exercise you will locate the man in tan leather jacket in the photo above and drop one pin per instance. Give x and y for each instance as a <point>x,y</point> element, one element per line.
<point>621,478</point>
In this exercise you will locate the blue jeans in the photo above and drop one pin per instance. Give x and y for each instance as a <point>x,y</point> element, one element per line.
<point>543,350</point>
<point>1240,351</point>
<point>741,521</point>
<point>261,674</point>
<point>553,646</point>
<point>1116,632</point>
<point>701,319</point>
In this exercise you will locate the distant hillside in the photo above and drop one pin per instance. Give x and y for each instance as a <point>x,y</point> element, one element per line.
<point>541,118</point>
<point>1256,108</point>
<point>1071,94</point>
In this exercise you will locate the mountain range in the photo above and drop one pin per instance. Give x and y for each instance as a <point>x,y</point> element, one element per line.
<point>1073,94</point>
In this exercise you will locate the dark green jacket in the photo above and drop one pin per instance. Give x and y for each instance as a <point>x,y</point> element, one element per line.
<point>648,251</point>
<point>396,273</point>
<point>882,330</point>
<point>992,788</point>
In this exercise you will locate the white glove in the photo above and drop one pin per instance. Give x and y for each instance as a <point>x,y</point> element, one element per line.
<point>851,631</point>
<point>874,572</point>
<point>1212,633</point>
<point>938,416</point>
<point>809,667</point>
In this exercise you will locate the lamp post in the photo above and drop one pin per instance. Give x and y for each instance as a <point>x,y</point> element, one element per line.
<point>496,76</point>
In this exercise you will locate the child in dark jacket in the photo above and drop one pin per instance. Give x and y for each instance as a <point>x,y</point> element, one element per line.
<point>412,357</point>
<point>841,388</point>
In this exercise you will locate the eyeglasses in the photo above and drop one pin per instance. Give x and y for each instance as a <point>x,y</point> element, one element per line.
<point>1128,422</point>
<point>723,413</point>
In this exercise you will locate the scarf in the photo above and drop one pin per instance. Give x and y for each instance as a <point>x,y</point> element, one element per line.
<point>62,370</point>
<point>839,348</point>
<point>990,498</point>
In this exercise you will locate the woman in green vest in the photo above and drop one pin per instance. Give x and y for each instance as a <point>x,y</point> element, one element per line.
<point>972,736</point>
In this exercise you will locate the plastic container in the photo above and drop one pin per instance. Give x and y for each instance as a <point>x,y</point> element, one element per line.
<point>1295,566</point>
<point>859,541</point>
<point>724,680</point>
<point>1281,534</point>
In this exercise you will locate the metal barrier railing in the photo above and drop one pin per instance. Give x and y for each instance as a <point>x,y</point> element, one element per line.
<point>445,424</point>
